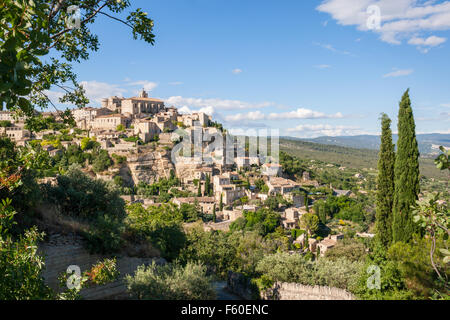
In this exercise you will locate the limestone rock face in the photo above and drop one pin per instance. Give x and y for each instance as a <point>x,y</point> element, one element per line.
<point>149,166</point>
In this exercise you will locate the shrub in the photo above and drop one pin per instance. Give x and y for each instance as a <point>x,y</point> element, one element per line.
<point>159,225</point>
<point>340,273</point>
<point>103,272</point>
<point>93,202</point>
<point>20,265</point>
<point>171,282</point>
<point>351,249</point>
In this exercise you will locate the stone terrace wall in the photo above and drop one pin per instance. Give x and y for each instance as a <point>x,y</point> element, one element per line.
<point>296,291</point>
<point>70,252</point>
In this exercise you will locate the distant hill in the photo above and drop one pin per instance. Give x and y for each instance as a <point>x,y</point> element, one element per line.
<point>357,158</point>
<point>428,143</point>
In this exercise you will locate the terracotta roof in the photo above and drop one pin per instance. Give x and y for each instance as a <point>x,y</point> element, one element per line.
<point>145,99</point>
<point>193,199</point>
<point>114,115</point>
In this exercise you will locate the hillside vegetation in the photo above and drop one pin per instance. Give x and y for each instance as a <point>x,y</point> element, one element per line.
<point>348,157</point>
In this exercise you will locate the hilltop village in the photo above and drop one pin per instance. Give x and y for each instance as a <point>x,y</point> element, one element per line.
<point>137,133</point>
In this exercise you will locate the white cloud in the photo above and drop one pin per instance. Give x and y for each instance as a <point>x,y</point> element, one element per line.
<point>300,113</point>
<point>323,66</point>
<point>96,91</point>
<point>445,105</point>
<point>237,71</point>
<point>217,104</point>
<point>432,41</point>
<point>250,116</point>
<point>400,19</point>
<point>398,73</point>
<point>175,83</point>
<point>186,110</point>
<point>316,130</point>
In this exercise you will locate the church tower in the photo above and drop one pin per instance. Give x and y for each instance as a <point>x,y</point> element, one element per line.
<point>143,94</point>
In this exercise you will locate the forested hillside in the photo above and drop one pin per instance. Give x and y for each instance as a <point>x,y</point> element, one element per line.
<point>348,157</point>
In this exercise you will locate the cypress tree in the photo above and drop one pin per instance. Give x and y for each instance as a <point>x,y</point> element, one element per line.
<point>385,183</point>
<point>199,190</point>
<point>406,173</point>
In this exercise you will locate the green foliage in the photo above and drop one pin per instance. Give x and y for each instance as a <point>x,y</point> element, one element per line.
<point>160,188</point>
<point>264,221</point>
<point>5,124</point>
<point>351,249</point>
<point>310,222</point>
<point>406,173</point>
<point>321,210</point>
<point>442,161</point>
<point>93,201</point>
<point>20,265</point>
<point>25,75</point>
<point>291,165</point>
<point>87,144</point>
<point>210,248</point>
<point>103,272</point>
<point>283,267</point>
<point>171,282</point>
<point>261,186</point>
<point>102,162</point>
<point>385,184</point>
<point>159,225</point>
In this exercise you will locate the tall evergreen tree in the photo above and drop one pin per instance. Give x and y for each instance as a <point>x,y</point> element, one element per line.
<point>199,190</point>
<point>406,173</point>
<point>385,183</point>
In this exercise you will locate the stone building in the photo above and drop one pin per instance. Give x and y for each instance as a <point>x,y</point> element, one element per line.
<point>282,186</point>
<point>271,169</point>
<point>110,121</point>
<point>15,133</point>
<point>146,129</point>
<point>85,117</point>
<point>141,106</point>
<point>206,203</point>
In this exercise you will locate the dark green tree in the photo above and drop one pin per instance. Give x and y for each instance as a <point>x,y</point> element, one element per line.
<point>221,202</point>
<point>385,183</point>
<point>306,202</point>
<point>406,173</point>
<point>40,39</point>
<point>199,190</point>
<point>208,190</point>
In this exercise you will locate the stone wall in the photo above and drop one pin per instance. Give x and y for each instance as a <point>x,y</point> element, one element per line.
<point>242,286</point>
<point>64,252</point>
<point>296,291</point>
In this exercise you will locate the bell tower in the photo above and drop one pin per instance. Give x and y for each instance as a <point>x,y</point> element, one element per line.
<point>143,94</point>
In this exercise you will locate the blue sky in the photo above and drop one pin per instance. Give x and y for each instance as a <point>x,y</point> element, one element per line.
<point>307,67</point>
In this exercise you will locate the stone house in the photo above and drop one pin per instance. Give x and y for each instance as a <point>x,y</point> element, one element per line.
<point>271,169</point>
<point>242,162</point>
<point>146,129</point>
<point>15,133</point>
<point>206,203</point>
<point>110,121</point>
<point>281,186</point>
<point>141,106</point>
